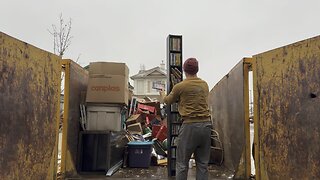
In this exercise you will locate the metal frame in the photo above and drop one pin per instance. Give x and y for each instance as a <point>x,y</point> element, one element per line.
<point>256,124</point>
<point>66,65</point>
<point>247,63</point>
<point>56,149</point>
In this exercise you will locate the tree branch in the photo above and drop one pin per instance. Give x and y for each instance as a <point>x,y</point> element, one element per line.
<point>62,36</point>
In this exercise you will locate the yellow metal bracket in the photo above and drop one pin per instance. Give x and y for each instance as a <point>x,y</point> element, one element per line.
<point>247,62</point>
<point>66,66</point>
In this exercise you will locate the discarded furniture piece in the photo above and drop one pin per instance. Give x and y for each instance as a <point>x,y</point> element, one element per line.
<point>100,150</point>
<point>216,154</point>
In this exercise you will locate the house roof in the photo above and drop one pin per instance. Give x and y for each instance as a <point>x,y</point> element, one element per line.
<point>154,72</point>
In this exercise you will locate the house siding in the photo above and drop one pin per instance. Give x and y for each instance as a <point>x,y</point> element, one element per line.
<point>143,81</point>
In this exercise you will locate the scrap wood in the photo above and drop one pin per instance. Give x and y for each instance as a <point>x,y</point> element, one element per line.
<point>147,99</point>
<point>162,162</point>
<point>129,136</point>
<point>135,128</point>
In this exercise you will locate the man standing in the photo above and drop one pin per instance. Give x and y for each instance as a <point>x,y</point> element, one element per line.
<point>194,134</point>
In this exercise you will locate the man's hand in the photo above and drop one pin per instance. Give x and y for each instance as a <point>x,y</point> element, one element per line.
<point>162,94</point>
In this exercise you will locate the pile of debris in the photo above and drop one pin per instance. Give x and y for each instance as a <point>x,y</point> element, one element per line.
<point>131,136</point>
<point>147,123</point>
<point>116,131</point>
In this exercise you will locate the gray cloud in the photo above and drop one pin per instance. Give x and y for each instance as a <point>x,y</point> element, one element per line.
<point>218,33</point>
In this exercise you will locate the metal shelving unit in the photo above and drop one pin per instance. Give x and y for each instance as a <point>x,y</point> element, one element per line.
<point>174,71</point>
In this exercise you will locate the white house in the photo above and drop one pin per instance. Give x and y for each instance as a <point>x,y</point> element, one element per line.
<point>145,80</point>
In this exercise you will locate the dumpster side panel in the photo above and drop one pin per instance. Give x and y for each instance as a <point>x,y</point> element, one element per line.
<point>226,102</point>
<point>77,86</point>
<point>29,107</point>
<point>287,101</point>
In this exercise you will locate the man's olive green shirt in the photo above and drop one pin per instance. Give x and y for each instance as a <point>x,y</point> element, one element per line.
<point>192,97</point>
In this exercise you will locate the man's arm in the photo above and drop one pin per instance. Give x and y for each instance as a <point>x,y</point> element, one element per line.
<point>172,97</point>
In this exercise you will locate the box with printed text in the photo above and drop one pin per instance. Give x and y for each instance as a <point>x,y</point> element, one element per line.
<point>108,83</point>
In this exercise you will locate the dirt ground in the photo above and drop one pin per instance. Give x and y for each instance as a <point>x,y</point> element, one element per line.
<point>159,173</point>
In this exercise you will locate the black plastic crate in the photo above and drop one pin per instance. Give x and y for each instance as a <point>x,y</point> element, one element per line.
<point>99,150</point>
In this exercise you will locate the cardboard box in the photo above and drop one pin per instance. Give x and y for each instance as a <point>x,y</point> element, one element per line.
<point>144,108</point>
<point>155,130</point>
<point>107,89</point>
<point>162,133</point>
<point>135,128</point>
<point>153,104</point>
<point>108,83</point>
<point>110,68</point>
<point>130,92</point>
<point>136,118</point>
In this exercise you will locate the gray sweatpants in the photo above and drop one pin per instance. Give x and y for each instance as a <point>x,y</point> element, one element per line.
<point>193,138</point>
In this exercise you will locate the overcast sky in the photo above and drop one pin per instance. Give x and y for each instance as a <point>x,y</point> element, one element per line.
<point>217,33</point>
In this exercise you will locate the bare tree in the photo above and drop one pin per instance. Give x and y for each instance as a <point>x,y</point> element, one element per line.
<point>61,36</point>
<point>61,41</point>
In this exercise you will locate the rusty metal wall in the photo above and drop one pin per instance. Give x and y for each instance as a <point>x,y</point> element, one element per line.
<point>226,101</point>
<point>287,101</point>
<point>29,108</point>
<point>77,83</point>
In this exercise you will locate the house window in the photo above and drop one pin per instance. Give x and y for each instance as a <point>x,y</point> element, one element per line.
<point>158,84</point>
<point>164,82</point>
<point>149,86</point>
<point>140,87</point>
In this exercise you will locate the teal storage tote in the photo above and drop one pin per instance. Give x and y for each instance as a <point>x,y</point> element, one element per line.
<point>139,154</point>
